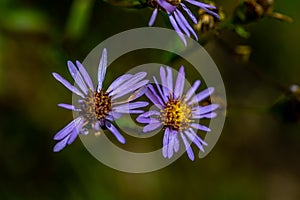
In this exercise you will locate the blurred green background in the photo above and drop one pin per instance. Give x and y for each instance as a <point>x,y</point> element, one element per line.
<point>256,157</point>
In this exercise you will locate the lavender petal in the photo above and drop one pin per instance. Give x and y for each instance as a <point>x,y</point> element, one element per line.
<point>171,145</point>
<point>129,83</point>
<point>181,24</point>
<point>67,129</point>
<point>199,110</point>
<point>208,116</point>
<point>125,108</point>
<point>186,24</point>
<point>151,127</point>
<point>119,81</point>
<point>194,138</point>
<point>159,90</point>
<point>150,113</point>
<point>69,107</point>
<point>153,17</point>
<point>176,142</point>
<point>140,92</point>
<point>102,69</point>
<point>169,79</point>
<point>190,14</point>
<point>205,7</point>
<point>115,132</point>
<point>188,147</point>
<point>163,77</point>
<point>154,98</point>
<point>200,127</point>
<point>67,84</point>
<point>166,142</point>
<point>61,144</point>
<point>192,90</point>
<point>167,6</point>
<point>202,95</point>
<point>179,83</point>
<point>85,75</point>
<point>77,77</point>
<point>176,28</point>
<point>130,89</point>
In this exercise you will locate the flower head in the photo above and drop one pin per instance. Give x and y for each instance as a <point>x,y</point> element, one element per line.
<point>97,108</point>
<point>177,19</point>
<point>177,113</point>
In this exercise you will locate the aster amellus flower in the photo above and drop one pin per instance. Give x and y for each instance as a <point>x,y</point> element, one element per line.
<point>97,108</point>
<point>177,19</point>
<point>178,113</point>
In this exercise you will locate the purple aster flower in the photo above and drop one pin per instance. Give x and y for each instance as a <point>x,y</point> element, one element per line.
<point>97,108</point>
<point>177,19</point>
<point>178,114</point>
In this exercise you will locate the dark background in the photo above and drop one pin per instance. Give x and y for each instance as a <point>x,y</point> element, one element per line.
<point>256,157</point>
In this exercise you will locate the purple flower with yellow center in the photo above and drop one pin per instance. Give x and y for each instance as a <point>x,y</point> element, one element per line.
<point>178,114</point>
<point>176,17</point>
<point>97,108</point>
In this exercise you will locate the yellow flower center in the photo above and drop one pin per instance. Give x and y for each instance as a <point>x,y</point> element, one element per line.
<point>176,115</point>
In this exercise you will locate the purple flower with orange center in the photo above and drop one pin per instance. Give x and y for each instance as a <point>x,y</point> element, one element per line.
<point>179,22</point>
<point>178,114</point>
<point>97,108</point>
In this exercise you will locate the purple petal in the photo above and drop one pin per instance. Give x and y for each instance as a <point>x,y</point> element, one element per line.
<point>199,110</point>
<point>166,142</point>
<point>69,107</point>
<point>150,113</point>
<point>208,116</point>
<point>205,7</point>
<point>188,147</point>
<point>67,129</point>
<point>115,132</point>
<point>181,24</point>
<point>151,127</point>
<point>102,69</point>
<point>152,95</point>
<point>163,77</point>
<point>67,84</point>
<point>198,138</point>
<point>153,17</point>
<point>202,95</point>
<point>72,137</point>
<point>186,24</point>
<point>200,127</point>
<point>77,77</point>
<point>125,108</point>
<point>130,89</point>
<point>120,80</point>
<point>61,144</point>
<point>167,6</point>
<point>129,83</point>
<point>171,144</point>
<point>179,83</point>
<point>85,75</point>
<point>201,5</point>
<point>115,115</point>
<point>192,90</point>
<point>195,139</point>
<point>169,79</point>
<point>159,90</point>
<point>176,142</point>
<point>190,14</point>
<point>146,120</point>
<point>140,92</point>
<point>176,28</point>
